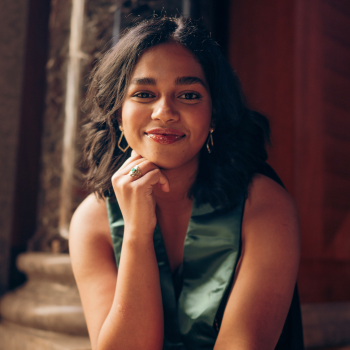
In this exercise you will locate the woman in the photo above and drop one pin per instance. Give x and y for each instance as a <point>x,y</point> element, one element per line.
<point>187,245</point>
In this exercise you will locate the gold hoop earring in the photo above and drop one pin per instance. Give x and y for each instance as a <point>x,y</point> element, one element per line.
<point>210,140</point>
<point>120,140</point>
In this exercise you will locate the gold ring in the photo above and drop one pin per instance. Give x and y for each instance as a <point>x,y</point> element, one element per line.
<point>135,171</point>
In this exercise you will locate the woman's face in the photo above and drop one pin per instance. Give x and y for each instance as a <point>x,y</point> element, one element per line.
<point>167,110</point>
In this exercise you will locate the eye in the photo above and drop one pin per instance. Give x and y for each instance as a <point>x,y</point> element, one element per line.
<point>190,96</point>
<point>143,95</point>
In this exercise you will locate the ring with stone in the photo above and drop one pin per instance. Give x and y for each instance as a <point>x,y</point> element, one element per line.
<point>135,171</point>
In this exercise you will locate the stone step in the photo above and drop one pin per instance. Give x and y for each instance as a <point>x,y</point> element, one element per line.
<point>16,337</point>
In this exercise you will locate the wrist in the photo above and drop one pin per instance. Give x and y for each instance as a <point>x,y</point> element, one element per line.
<point>136,237</point>
<point>137,249</point>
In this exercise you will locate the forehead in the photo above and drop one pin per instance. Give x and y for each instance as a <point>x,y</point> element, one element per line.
<point>166,60</point>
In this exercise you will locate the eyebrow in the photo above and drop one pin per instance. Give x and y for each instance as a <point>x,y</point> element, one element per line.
<point>178,81</point>
<point>144,81</point>
<point>189,81</point>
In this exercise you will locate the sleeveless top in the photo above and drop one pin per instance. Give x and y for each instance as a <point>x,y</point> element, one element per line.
<point>195,296</point>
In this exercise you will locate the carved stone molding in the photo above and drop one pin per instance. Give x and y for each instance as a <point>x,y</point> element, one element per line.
<point>49,300</point>
<point>46,312</point>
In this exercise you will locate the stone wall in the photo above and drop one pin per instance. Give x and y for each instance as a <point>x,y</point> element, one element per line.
<point>102,20</point>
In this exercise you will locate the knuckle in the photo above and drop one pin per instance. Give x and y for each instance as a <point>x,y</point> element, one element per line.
<point>136,187</point>
<point>114,180</point>
<point>115,176</point>
<point>118,183</point>
<point>123,183</point>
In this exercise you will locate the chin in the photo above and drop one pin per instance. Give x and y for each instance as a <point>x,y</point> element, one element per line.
<point>169,158</point>
<point>169,162</point>
<point>165,163</point>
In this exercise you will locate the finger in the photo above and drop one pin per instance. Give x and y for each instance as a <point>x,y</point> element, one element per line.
<point>130,160</point>
<point>134,153</point>
<point>144,165</point>
<point>156,177</point>
<point>164,183</point>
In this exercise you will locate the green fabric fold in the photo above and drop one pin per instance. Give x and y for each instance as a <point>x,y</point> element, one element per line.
<point>210,257</point>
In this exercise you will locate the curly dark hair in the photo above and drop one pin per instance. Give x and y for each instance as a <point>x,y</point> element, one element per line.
<point>240,135</point>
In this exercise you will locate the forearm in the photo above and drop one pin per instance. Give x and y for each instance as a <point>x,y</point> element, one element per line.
<point>135,320</point>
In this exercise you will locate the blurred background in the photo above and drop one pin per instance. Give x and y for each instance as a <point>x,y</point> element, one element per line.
<point>293,59</point>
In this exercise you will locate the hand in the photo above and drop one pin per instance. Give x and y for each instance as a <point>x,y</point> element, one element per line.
<point>135,195</point>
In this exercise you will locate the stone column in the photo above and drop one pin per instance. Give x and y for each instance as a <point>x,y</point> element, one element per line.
<point>46,312</point>
<point>79,31</point>
<point>13,15</point>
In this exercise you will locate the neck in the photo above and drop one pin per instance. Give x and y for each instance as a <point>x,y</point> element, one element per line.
<point>181,180</point>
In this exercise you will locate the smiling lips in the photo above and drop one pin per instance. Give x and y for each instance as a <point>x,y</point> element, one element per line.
<point>165,136</point>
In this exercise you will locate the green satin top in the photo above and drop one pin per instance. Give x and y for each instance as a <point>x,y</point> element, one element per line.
<point>211,252</point>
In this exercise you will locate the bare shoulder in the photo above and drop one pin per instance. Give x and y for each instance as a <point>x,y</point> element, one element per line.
<point>89,234</point>
<point>271,217</point>
<point>265,191</point>
<point>90,218</point>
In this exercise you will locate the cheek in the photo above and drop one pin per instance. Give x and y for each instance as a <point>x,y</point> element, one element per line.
<point>132,116</point>
<point>201,121</point>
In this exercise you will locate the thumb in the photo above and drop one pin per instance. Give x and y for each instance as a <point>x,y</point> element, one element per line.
<point>163,183</point>
<point>134,153</point>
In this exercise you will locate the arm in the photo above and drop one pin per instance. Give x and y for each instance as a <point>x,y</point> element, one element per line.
<point>123,314</point>
<point>266,274</point>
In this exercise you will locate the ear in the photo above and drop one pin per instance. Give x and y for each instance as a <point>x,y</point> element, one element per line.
<point>119,119</point>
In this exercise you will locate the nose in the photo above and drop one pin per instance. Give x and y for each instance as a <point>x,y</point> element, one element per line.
<point>165,111</point>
